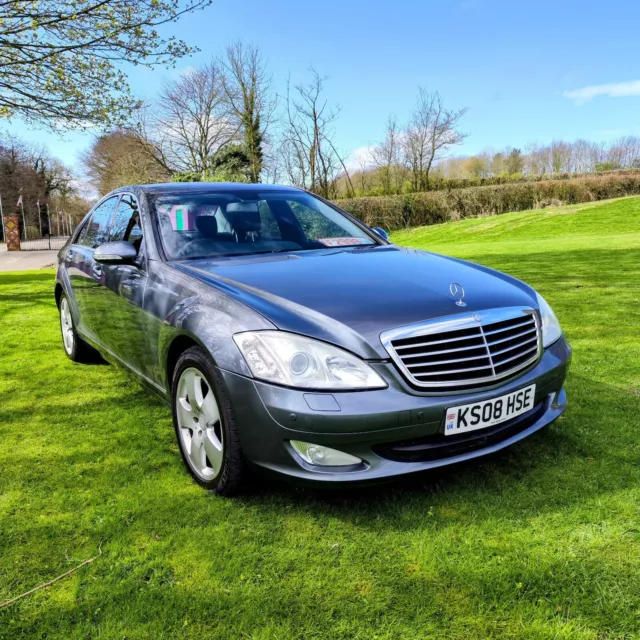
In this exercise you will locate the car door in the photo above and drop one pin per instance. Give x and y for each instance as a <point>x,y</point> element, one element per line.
<point>86,275</point>
<point>73,261</point>
<point>126,328</point>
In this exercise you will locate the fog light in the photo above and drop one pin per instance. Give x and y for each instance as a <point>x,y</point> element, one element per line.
<point>317,454</point>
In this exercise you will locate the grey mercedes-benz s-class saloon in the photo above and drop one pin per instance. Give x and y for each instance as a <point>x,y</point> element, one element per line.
<point>290,337</point>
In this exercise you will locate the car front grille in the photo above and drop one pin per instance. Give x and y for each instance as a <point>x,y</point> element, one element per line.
<point>466,350</point>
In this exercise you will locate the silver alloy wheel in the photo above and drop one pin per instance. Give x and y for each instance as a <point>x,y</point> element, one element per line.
<point>66,324</point>
<point>199,422</point>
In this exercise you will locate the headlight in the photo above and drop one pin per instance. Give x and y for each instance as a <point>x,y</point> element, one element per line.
<point>296,361</point>
<point>551,330</point>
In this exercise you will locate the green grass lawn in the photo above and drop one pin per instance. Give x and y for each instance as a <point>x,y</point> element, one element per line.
<point>540,541</point>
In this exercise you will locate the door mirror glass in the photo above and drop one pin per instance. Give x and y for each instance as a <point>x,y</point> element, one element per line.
<point>115,253</point>
<point>381,232</point>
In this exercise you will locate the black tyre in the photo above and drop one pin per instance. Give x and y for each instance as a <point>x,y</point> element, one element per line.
<point>74,346</point>
<point>205,426</point>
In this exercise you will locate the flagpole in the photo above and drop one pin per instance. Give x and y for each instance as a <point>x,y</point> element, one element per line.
<point>4,235</point>
<point>49,218</point>
<point>39,217</point>
<point>24,222</point>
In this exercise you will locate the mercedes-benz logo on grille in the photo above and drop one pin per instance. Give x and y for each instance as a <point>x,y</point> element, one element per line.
<point>457,292</point>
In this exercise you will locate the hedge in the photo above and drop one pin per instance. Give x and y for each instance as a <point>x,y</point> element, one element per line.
<point>432,207</point>
<point>438,183</point>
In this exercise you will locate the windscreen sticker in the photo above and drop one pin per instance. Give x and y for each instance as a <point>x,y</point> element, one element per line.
<point>344,242</point>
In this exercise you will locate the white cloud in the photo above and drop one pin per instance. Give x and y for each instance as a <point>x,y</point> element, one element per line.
<point>612,90</point>
<point>359,158</point>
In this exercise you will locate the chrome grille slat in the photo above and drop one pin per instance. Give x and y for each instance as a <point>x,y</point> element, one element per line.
<point>435,353</point>
<point>499,343</point>
<point>515,326</point>
<point>497,353</point>
<point>448,371</point>
<point>428,364</point>
<point>524,353</point>
<point>518,335</point>
<point>425,344</point>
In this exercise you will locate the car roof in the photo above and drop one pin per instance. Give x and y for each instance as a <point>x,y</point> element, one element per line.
<point>210,187</point>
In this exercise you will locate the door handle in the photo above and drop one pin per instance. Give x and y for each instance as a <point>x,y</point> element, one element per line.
<point>96,269</point>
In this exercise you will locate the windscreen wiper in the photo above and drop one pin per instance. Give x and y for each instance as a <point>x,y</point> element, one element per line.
<point>255,253</point>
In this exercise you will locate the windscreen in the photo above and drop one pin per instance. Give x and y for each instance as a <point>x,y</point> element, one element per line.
<point>218,224</point>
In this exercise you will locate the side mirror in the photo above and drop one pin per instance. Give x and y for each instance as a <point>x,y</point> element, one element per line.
<point>115,253</point>
<point>381,232</point>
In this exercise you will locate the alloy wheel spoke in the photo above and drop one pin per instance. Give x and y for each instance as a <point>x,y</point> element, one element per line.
<point>213,448</point>
<point>184,411</point>
<point>196,450</point>
<point>210,410</point>
<point>194,387</point>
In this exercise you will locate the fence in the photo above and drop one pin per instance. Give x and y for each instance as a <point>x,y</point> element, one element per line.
<point>41,230</point>
<point>43,243</point>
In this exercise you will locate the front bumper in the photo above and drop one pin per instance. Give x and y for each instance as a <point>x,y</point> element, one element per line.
<point>395,431</point>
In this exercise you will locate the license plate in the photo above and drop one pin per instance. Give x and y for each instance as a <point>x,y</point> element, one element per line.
<point>479,415</point>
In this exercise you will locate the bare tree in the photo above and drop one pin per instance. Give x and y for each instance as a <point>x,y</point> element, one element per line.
<point>189,122</point>
<point>432,131</point>
<point>119,158</point>
<point>249,95</point>
<point>386,157</point>
<point>310,157</point>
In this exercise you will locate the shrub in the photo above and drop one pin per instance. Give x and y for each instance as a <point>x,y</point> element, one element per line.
<point>417,209</point>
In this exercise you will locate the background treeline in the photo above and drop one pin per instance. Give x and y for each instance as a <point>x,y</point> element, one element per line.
<point>31,171</point>
<point>432,207</point>
<point>389,171</point>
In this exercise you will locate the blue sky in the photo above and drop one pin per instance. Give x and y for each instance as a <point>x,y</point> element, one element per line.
<point>528,72</point>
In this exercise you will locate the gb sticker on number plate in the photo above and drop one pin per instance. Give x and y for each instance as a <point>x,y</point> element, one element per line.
<point>479,415</point>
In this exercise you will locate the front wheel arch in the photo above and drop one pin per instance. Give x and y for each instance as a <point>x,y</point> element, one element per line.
<point>176,348</point>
